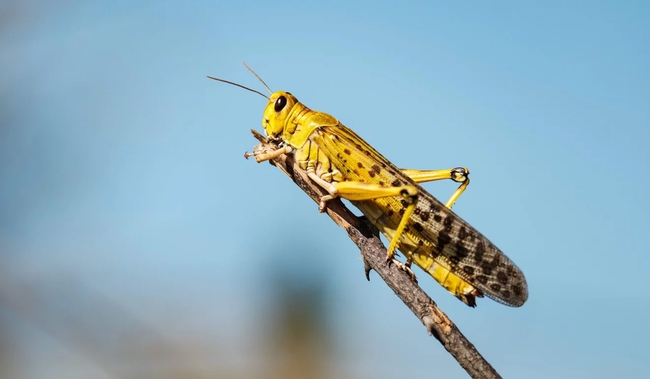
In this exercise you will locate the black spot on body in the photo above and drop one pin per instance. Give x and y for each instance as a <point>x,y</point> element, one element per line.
<point>454,259</point>
<point>396,183</point>
<point>496,261</point>
<point>502,277</point>
<point>469,270</point>
<point>443,239</point>
<point>444,235</point>
<point>505,294</point>
<point>401,211</point>
<point>381,183</point>
<point>360,165</point>
<point>417,226</point>
<point>496,287</point>
<point>482,279</point>
<point>461,251</point>
<point>402,201</point>
<point>390,212</point>
<point>376,169</point>
<point>434,208</point>
<point>437,218</point>
<point>347,151</point>
<point>479,252</point>
<point>517,289</point>
<point>462,233</point>
<point>486,268</point>
<point>425,216</point>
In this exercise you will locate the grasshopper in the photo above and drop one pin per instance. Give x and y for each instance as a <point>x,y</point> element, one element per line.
<point>426,231</point>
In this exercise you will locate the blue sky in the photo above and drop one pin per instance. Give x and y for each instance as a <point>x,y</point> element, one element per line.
<point>122,169</point>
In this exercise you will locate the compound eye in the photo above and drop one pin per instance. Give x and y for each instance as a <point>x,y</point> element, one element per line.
<point>280,103</point>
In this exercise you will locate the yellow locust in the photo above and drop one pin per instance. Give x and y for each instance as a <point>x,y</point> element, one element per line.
<point>425,230</point>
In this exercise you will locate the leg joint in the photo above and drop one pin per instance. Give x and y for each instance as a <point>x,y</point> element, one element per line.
<point>459,174</point>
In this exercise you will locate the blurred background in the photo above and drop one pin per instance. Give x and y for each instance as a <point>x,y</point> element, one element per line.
<point>136,242</point>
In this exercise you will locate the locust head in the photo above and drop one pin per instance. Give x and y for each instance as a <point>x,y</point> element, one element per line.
<point>281,116</point>
<point>279,113</point>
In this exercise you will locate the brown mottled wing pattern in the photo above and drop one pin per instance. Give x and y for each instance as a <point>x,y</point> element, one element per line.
<point>471,256</point>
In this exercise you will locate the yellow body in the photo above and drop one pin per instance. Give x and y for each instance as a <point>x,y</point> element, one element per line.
<point>426,231</point>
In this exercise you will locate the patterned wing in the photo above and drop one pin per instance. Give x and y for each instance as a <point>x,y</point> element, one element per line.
<point>469,254</point>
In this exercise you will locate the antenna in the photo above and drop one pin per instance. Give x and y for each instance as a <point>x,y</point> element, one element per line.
<point>257,76</point>
<point>240,86</point>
